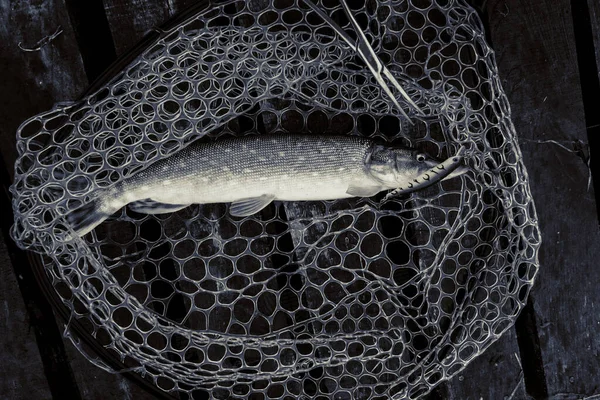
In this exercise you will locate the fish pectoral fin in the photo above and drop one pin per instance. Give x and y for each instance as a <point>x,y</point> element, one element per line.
<point>363,191</point>
<point>246,207</point>
<point>149,206</point>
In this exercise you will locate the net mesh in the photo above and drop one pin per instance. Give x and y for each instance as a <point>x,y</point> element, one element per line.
<point>354,298</point>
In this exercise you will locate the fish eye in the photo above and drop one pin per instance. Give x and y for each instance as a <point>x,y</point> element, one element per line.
<point>421,157</point>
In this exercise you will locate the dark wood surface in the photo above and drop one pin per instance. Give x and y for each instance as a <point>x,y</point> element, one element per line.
<point>594,9</point>
<point>555,350</point>
<point>21,367</point>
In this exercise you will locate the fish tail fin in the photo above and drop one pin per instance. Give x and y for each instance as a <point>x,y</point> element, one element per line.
<point>85,218</point>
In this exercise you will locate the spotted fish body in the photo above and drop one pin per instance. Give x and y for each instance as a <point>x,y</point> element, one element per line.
<point>289,167</point>
<point>252,171</point>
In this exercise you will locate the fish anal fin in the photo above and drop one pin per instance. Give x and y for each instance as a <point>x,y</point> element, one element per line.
<point>363,191</point>
<point>149,206</point>
<point>246,207</point>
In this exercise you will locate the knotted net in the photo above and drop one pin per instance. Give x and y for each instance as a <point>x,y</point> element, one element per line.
<point>353,298</point>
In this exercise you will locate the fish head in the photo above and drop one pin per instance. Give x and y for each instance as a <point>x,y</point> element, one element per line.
<point>394,167</point>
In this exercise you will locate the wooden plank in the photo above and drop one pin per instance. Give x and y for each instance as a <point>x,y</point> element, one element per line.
<point>101,385</point>
<point>496,374</point>
<point>587,42</point>
<point>537,61</point>
<point>35,79</point>
<point>21,366</point>
<point>130,20</point>
<point>92,33</point>
<point>39,56</point>
<point>594,8</point>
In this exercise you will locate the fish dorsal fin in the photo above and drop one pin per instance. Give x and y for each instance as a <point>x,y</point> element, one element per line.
<point>246,207</point>
<point>363,191</point>
<point>149,206</point>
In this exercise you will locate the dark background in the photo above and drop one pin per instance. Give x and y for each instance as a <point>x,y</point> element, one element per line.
<point>547,52</point>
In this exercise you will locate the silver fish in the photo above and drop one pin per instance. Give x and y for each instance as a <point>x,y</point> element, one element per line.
<point>252,171</point>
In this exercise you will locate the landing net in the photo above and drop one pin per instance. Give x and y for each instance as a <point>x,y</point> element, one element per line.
<point>346,299</point>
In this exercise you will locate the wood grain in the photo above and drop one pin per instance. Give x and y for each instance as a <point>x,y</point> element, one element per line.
<point>536,58</point>
<point>496,374</point>
<point>97,384</point>
<point>34,80</point>
<point>594,7</point>
<point>130,20</point>
<point>586,43</point>
<point>37,72</point>
<point>21,367</point>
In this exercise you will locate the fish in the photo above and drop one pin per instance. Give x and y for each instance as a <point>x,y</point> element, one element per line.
<point>252,171</point>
